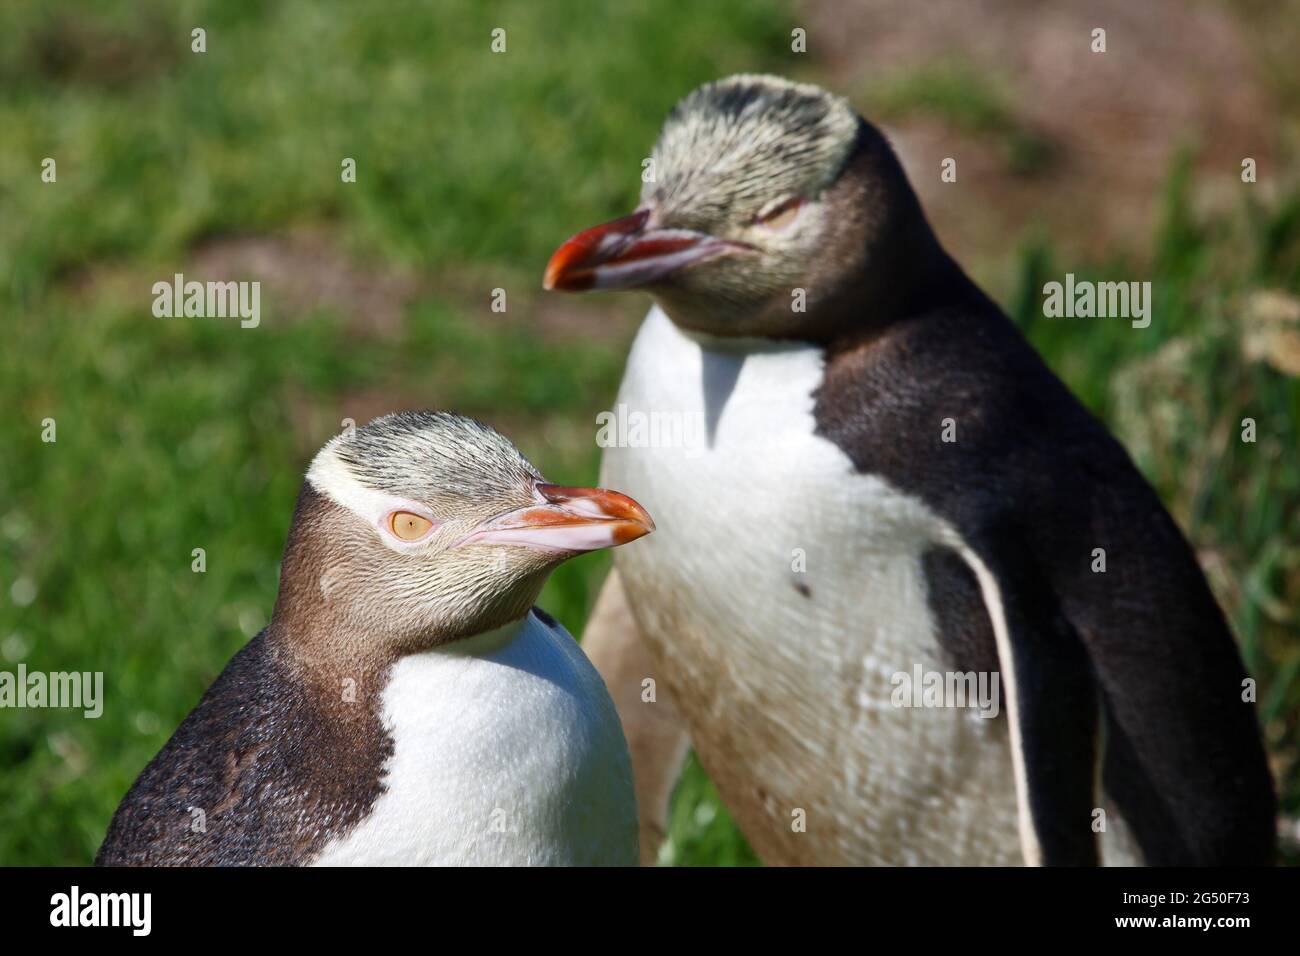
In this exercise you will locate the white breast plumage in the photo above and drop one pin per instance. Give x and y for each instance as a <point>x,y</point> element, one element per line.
<point>782,592</point>
<point>507,750</point>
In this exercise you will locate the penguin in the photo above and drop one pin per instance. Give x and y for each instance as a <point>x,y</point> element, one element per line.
<point>890,488</point>
<point>407,704</point>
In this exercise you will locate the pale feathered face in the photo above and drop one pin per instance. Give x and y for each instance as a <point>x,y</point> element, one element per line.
<point>441,528</point>
<point>736,215</point>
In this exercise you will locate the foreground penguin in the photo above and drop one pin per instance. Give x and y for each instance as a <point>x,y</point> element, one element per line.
<point>889,484</point>
<point>407,703</point>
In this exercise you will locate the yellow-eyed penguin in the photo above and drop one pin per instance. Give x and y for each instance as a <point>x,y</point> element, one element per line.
<point>407,704</point>
<point>891,490</point>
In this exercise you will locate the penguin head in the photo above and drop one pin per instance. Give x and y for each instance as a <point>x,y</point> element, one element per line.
<point>765,202</point>
<point>423,527</point>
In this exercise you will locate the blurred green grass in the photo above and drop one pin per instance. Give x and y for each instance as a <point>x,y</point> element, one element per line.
<point>178,434</point>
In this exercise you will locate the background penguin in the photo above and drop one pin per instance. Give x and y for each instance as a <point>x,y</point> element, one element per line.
<point>406,704</point>
<point>825,450</point>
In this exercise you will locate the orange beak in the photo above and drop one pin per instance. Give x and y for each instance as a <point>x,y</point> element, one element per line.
<point>567,520</point>
<point>624,254</point>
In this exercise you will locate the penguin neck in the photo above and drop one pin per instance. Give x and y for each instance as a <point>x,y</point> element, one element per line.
<point>882,264</point>
<point>343,670</point>
<point>925,281</point>
<point>484,643</point>
<point>901,275</point>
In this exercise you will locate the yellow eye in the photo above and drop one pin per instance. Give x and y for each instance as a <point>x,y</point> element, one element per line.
<point>409,527</point>
<point>782,215</point>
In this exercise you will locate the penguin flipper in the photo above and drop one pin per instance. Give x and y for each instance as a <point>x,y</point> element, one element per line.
<point>1185,763</point>
<point>1183,758</point>
<point>1052,710</point>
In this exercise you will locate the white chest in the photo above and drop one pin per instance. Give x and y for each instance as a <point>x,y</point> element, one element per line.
<point>762,508</point>
<point>783,590</point>
<point>507,750</point>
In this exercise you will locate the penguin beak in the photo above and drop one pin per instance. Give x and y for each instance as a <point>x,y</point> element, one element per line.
<point>624,254</point>
<point>570,520</point>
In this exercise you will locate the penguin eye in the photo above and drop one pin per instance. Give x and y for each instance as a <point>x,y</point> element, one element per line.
<point>782,214</point>
<point>409,526</point>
